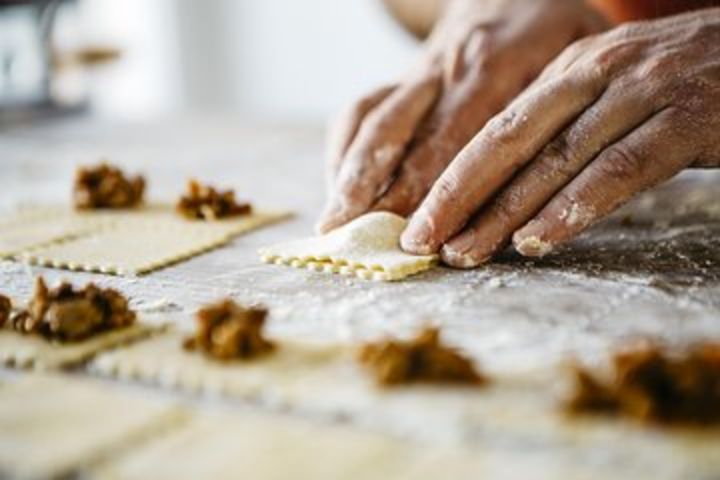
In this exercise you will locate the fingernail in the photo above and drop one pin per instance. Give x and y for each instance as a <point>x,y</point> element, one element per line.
<point>457,258</point>
<point>529,241</point>
<point>415,238</point>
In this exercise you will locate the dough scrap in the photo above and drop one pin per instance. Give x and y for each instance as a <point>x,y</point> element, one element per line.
<point>32,351</point>
<point>53,425</point>
<point>261,447</point>
<point>135,242</point>
<point>368,248</point>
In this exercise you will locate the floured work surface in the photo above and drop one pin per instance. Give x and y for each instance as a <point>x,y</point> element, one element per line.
<point>367,248</point>
<point>51,426</point>
<point>124,242</point>
<point>652,270</point>
<point>33,351</point>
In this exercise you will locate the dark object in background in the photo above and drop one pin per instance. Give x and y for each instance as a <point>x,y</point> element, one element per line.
<point>105,186</point>
<point>31,67</point>
<point>654,384</point>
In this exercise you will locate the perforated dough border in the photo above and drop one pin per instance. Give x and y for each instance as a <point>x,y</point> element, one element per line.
<point>32,352</point>
<point>209,236</point>
<point>330,264</point>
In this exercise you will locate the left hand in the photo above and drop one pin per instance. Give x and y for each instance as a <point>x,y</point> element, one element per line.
<point>613,115</point>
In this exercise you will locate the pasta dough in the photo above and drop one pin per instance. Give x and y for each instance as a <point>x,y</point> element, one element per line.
<point>132,242</point>
<point>53,425</point>
<point>31,351</point>
<point>368,248</point>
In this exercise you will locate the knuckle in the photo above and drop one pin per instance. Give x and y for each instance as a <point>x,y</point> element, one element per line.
<point>628,30</point>
<point>620,162</point>
<point>659,66</point>
<point>502,128</point>
<point>446,191</point>
<point>558,157</point>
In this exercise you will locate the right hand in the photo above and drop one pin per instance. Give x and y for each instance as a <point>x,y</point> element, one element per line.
<point>391,145</point>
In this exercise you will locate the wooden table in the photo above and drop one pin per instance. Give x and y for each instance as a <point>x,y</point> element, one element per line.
<point>653,269</point>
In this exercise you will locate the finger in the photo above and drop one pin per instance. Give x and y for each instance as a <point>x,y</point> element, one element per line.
<point>451,126</point>
<point>619,110</point>
<point>377,149</point>
<point>346,127</point>
<point>653,152</point>
<point>504,145</point>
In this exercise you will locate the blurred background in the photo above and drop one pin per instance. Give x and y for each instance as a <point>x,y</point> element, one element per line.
<point>138,59</point>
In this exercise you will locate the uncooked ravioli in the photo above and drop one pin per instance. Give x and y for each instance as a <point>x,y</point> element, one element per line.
<point>368,247</point>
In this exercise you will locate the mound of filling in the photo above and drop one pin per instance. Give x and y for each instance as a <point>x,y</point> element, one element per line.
<point>202,202</point>
<point>422,359</point>
<point>67,314</point>
<point>654,384</point>
<point>228,331</point>
<point>5,309</point>
<point>105,186</point>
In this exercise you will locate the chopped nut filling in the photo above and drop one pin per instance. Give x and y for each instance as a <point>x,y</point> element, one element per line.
<point>67,314</point>
<point>653,384</point>
<point>228,331</point>
<point>105,186</point>
<point>423,359</point>
<point>5,309</point>
<point>202,202</point>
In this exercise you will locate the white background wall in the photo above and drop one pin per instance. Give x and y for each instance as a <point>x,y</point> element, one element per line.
<point>299,59</point>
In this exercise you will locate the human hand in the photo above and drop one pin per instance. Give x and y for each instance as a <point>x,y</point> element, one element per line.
<point>391,145</point>
<point>613,115</point>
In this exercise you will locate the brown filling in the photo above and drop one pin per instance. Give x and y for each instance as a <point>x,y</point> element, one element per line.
<point>202,202</point>
<point>105,186</point>
<point>422,359</point>
<point>228,331</point>
<point>5,309</point>
<point>652,384</point>
<point>67,314</point>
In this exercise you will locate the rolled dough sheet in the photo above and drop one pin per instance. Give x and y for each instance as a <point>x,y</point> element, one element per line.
<point>368,248</point>
<point>30,351</point>
<point>273,378</point>
<point>518,413</point>
<point>134,243</point>
<point>322,380</point>
<point>52,425</point>
<point>261,447</point>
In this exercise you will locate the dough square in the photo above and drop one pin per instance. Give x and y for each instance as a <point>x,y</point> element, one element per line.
<point>36,227</point>
<point>261,446</point>
<point>367,248</point>
<point>32,351</point>
<point>53,425</point>
<point>135,243</point>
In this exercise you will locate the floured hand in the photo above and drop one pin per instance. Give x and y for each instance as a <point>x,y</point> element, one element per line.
<point>613,115</point>
<point>391,145</point>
